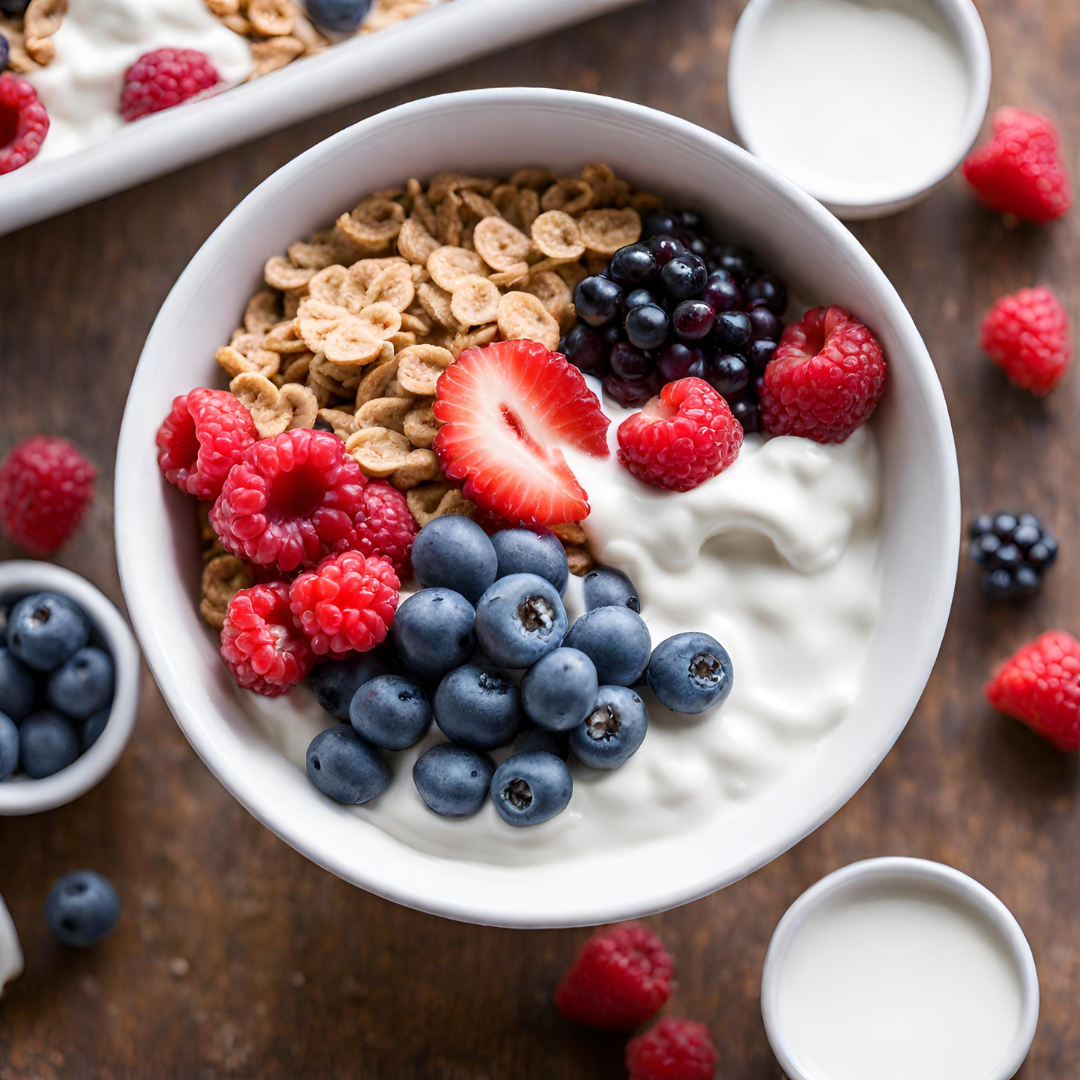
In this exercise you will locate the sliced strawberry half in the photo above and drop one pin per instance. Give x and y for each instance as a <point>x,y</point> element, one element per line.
<point>506,409</point>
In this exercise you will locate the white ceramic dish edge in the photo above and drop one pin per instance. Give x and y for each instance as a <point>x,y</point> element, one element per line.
<point>963,18</point>
<point>444,37</point>
<point>21,795</point>
<point>466,890</point>
<point>899,868</point>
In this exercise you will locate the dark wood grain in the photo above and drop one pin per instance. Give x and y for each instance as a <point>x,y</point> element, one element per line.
<point>237,957</point>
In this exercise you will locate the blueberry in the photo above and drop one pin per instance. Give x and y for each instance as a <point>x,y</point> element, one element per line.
<point>391,712</point>
<point>322,425</point>
<point>550,742</point>
<point>520,619</point>
<point>5,49</point>
<point>47,743</point>
<point>44,630</point>
<point>82,908</point>
<point>597,300</point>
<point>478,706</point>
<point>452,780</point>
<point>1042,555</point>
<point>346,767</point>
<point>758,354</point>
<point>559,691</point>
<point>91,729</point>
<point>341,16</point>
<point>1004,523</point>
<point>1026,581</point>
<point>531,788</point>
<point>984,523</point>
<point>336,681</point>
<point>616,640</point>
<point>763,323</point>
<point>9,746</point>
<point>745,410</point>
<point>727,374</point>
<point>1007,557</point>
<point>83,685</point>
<point>632,395</point>
<point>690,673</point>
<point>691,219</point>
<point>684,276</point>
<point>646,327</point>
<point>17,687</point>
<point>585,348</point>
<point>633,265</point>
<point>721,292</point>
<point>630,363</point>
<point>614,729</point>
<point>769,291</point>
<point>677,359</point>
<point>693,319</point>
<point>657,223</point>
<point>640,297</point>
<point>453,552</point>
<point>665,247</point>
<point>433,631</point>
<point>522,551</point>
<point>605,587</point>
<point>998,584</point>
<point>731,331</point>
<point>735,260</point>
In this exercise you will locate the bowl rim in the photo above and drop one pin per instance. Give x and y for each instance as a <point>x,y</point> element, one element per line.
<point>22,795</point>
<point>417,891</point>
<point>878,200</point>
<point>901,869</point>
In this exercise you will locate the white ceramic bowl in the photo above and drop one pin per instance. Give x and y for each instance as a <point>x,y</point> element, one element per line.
<point>493,132</point>
<point>21,795</point>
<point>902,872</point>
<point>960,19</point>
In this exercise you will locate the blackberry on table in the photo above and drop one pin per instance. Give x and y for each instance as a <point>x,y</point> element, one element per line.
<point>1014,551</point>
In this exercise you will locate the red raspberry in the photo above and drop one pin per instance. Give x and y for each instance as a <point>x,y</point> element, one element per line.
<point>673,1049</point>
<point>387,527</point>
<point>45,487</point>
<point>291,500</point>
<point>620,978</point>
<point>347,602</point>
<point>1027,335</point>
<point>203,437</point>
<point>825,378</point>
<point>260,644</point>
<point>1040,686</point>
<point>164,78</point>
<point>680,438</point>
<point>1019,170</point>
<point>24,123</point>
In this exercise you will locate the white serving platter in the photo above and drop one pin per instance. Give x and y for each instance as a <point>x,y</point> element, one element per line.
<point>448,35</point>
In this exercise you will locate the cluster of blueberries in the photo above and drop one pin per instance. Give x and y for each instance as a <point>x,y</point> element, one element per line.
<point>673,306</point>
<point>485,649</point>
<point>1014,551</point>
<point>56,688</point>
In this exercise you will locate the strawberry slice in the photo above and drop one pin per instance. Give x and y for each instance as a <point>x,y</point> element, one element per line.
<point>505,409</point>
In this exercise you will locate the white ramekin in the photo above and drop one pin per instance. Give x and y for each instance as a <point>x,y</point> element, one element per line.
<point>901,871</point>
<point>21,795</point>
<point>494,132</point>
<point>962,20</point>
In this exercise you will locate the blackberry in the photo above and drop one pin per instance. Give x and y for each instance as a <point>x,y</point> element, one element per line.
<point>1014,551</point>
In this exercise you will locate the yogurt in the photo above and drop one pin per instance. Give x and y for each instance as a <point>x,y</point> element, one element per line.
<point>96,44</point>
<point>777,559</point>
<point>846,97</point>
<point>898,980</point>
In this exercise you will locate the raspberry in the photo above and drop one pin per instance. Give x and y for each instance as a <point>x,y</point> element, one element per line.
<point>1019,170</point>
<point>45,487</point>
<point>386,527</point>
<point>346,602</point>
<point>825,378</point>
<point>1027,336</point>
<point>1040,686</point>
<point>680,438</point>
<point>673,1049</point>
<point>291,500</point>
<point>24,123</point>
<point>164,78</point>
<point>260,644</point>
<point>620,978</point>
<point>203,437</point>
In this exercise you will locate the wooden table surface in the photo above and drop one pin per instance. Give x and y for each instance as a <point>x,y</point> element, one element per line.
<point>237,957</point>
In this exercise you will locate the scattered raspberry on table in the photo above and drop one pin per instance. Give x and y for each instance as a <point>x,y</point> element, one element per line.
<point>1040,686</point>
<point>1019,169</point>
<point>24,123</point>
<point>621,977</point>
<point>1027,336</point>
<point>164,78</point>
<point>672,1049</point>
<point>45,487</point>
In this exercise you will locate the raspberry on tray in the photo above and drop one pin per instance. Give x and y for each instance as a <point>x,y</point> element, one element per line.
<point>1027,336</point>
<point>23,123</point>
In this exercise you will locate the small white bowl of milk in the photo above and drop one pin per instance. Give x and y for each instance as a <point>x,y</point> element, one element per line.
<point>899,968</point>
<point>866,104</point>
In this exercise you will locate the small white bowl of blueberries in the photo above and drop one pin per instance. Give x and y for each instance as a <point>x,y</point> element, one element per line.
<point>69,683</point>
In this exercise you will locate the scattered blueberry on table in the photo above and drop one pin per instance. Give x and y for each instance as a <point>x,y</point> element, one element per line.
<point>82,908</point>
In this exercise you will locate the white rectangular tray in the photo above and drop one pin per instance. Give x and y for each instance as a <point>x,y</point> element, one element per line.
<point>444,37</point>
